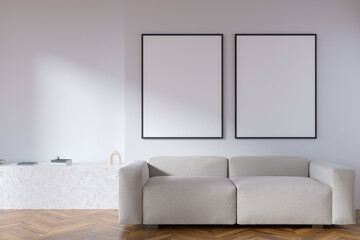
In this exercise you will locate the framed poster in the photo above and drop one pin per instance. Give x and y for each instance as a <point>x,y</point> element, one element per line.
<point>275,86</point>
<point>182,86</point>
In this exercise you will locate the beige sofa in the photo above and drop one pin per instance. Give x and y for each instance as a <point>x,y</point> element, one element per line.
<point>239,190</point>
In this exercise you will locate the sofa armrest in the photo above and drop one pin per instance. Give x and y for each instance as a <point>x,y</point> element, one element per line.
<point>342,182</point>
<point>132,177</point>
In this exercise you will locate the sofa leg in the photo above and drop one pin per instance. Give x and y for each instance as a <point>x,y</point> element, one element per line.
<point>317,226</point>
<point>153,227</point>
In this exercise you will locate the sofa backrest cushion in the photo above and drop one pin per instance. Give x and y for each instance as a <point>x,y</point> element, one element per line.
<point>268,166</point>
<point>188,166</point>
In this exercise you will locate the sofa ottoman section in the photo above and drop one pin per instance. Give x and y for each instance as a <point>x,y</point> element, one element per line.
<point>282,200</point>
<point>189,200</point>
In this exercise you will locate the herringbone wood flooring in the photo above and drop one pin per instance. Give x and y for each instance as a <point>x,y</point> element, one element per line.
<point>102,225</point>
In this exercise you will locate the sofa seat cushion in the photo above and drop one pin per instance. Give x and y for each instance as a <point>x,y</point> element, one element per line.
<point>282,200</point>
<point>189,200</point>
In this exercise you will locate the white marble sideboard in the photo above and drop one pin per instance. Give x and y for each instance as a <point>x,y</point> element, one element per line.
<point>46,186</point>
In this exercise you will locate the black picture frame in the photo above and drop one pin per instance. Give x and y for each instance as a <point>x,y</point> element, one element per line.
<point>314,136</point>
<point>143,90</point>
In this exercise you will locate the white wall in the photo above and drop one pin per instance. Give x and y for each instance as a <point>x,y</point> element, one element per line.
<point>62,75</point>
<point>61,79</point>
<point>337,24</point>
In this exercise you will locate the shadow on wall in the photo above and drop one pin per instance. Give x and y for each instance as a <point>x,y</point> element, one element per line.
<point>61,80</point>
<point>76,111</point>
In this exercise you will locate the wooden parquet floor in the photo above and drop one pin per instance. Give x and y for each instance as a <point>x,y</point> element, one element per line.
<point>102,225</point>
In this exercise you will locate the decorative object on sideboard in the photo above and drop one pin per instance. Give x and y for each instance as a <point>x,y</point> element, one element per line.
<point>115,153</point>
<point>27,163</point>
<point>2,161</point>
<point>275,86</point>
<point>59,161</point>
<point>181,86</point>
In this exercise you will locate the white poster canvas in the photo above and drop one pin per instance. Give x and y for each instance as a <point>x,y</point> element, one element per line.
<point>275,86</point>
<point>182,86</point>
